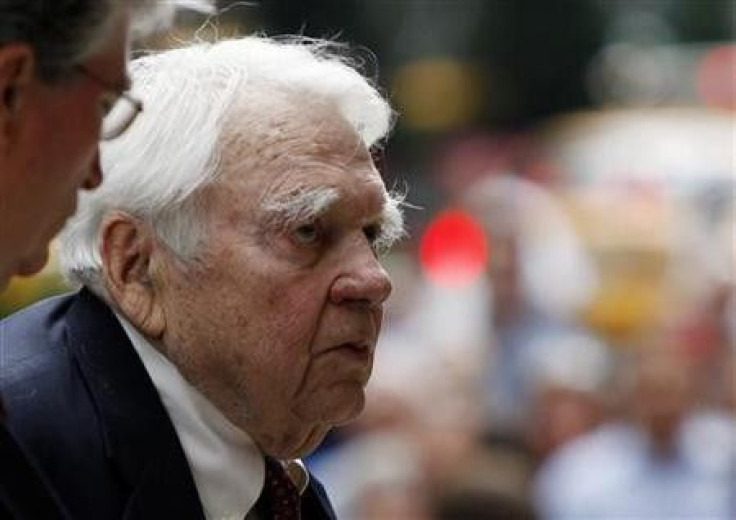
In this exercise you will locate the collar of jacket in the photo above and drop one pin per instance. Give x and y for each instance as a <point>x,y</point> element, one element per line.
<point>138,436</point>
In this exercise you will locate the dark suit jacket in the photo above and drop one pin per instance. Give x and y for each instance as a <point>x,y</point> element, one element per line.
<point>24,495</point>
<point>81,402</point>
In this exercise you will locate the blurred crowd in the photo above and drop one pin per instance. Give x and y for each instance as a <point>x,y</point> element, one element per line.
<point>575,358</point>
<point>585,367</point>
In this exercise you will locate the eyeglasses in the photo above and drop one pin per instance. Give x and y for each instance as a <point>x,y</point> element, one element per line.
<point>120,108</point>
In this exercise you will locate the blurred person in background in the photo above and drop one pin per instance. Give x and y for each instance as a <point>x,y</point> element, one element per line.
<point>232,292</point>
<point>668,456</point>
<point>569,391</point>
<point>375,473</point>
<point>62,68</point>
<point>540,277</point>
<point>474,504</point>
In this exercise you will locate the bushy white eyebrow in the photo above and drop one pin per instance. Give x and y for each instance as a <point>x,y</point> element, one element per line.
<point>391,223</point>
<point>302,205</point>
<point>308,204</point>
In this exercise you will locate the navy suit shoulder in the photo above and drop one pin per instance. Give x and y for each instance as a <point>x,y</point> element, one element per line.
<point>24,494</point>
<point>81,403</point>
<point>37,377</point>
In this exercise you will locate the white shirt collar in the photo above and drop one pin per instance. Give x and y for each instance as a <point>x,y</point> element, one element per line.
<point>227,467</point>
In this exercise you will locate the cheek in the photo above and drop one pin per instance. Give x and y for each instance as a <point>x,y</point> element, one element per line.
<point>69,158</point>
<point>258,329</point>
<point>81,134</point>
<point>250,324</point>
<point>282,313</point>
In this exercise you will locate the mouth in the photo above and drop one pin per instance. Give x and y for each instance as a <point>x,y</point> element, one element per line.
<point>359,350</point>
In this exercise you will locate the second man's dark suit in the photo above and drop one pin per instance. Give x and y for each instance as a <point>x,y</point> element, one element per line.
<point>24,495</point>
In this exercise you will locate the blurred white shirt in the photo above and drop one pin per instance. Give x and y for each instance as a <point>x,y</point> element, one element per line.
<point>611,474</point>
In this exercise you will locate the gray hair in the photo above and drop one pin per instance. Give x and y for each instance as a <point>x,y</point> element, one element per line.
<point>63,33</point>
<point>174,148</point>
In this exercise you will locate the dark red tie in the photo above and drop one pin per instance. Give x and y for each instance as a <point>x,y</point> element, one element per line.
<point>283,496</point>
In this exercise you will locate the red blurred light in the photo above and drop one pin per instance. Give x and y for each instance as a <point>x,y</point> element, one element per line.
<point>454,249</point>
<point>715,80</point>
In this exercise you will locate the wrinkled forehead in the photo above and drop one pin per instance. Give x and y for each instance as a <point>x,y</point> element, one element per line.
<point>275,144</point>
<point>267,126</point>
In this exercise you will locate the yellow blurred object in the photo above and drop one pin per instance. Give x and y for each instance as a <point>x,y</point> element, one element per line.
<point>623,308</point>
<point>438,94</point>
<point>643,187</point>
<point>21,292</point>
<point>631,237</point>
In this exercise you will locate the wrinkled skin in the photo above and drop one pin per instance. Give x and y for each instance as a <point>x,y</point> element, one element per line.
<point>277,324</point>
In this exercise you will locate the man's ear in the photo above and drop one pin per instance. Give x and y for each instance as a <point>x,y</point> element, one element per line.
<point>17,71</point>
<point>128,246</point>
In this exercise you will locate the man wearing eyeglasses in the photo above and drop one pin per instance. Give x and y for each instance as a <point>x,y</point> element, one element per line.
<point>62,70</point>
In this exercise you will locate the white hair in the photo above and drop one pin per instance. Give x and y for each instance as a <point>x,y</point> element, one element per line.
<point>174,149</point>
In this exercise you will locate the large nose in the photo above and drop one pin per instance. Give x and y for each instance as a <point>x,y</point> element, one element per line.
<point>362,280</point>
<point>94,175</point>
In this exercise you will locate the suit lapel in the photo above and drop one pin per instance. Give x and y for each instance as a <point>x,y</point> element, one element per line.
<point>23,491</point>
<point>139,437</point>
<point>315,504</point>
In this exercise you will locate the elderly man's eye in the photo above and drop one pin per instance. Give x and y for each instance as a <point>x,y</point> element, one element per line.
<point>307,233</point>
<point>372,233</point>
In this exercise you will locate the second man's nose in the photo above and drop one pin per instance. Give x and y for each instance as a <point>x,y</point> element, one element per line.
<point>94,175</point>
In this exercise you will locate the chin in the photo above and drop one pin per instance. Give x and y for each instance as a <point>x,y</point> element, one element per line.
<point>348,408</point>
<point>311,443</point>
<point>33,264</point>
<point>301,442</point>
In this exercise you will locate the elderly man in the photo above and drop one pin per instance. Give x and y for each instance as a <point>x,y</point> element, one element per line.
<point>62,67</point>
<point>232,298</point>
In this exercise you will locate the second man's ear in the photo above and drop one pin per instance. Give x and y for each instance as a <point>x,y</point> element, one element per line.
<point>17,70</point>
<point>128,246</point>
